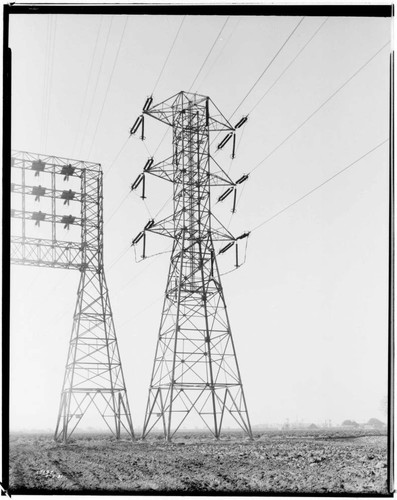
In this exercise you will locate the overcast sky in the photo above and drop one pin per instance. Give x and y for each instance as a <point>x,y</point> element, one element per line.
<point>308,310</point>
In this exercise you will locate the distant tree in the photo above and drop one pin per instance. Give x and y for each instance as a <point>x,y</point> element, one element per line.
<point>313,426</point>
<point>375,422</point>
<point>383,406</point>
<point>350,423</point>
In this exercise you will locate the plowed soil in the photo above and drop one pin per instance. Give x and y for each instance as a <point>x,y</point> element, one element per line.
<point>293,462</point>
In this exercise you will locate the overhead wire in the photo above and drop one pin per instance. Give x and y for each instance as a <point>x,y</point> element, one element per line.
<point>329,179</point>
<point>48,73</point>
<point>117,259</point>
<point>96,86</point>
<point>87,85</point>
<point>50,80</point>
<point>209,53</point>
<point>289,65</point>
<point>260,76</point>
<point>142,269</point>
<point>320,106</point>
<point>116,157</point>
<point>168,55</point>
<point>45,81</point>
<point>267,67</point>
<point>118,208</point>
<point>109,84</point>
<point>220,53</point>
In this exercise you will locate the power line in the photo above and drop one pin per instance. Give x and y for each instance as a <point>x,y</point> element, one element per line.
<point>289,65</point>
<point>50,51</point>
<point>321,106</point>
<point>108,86</point>
<point>45,81</point>
<point>220,53</point>
<point>87,85</point>
<point>116,157</point>
<point>114,262</point>
<point>168,55</point>
<point>268,66</point>
<point>96,85</point>
<point>55,18</point>
<point>118,207</point>
<point>162,140</point>
<point>319,186</point>
<point>260,76</point>
<point>209,53</point>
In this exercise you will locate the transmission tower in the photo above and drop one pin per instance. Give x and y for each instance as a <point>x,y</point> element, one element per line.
<point>195,368</point>
<point>93,374</point>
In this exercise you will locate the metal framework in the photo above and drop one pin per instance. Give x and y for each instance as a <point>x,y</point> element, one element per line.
<point>195,368</point>
<point>93,373</point>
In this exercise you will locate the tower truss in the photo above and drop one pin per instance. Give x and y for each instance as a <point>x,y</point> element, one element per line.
<point>93,373</point>
<point>195,367</point>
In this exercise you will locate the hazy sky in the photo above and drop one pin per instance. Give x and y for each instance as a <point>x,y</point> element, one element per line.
<point>308,309</point>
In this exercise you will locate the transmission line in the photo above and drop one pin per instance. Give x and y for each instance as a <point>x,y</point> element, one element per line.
<point>49,63</point>
<point>168,55</point>
<point>96,85</point>
<point>87,85</point>
<point>321,106</point>
<point>116,157</point>
<point>320,185</point>
<point>289,65</point>
<point>220,53</point>
<point>267,67</point>
<point>108,86</point>
<point>45,81</point>
<point>209,53</point>
<point>118,207</point>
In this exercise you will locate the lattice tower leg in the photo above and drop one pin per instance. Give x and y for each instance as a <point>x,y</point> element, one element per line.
<point>93,374</point>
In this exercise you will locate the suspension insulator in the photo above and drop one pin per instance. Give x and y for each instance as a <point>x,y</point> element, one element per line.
<point>148,164</point>
<point>143,187</point>
<point>242,179</point>
<point>144,246</point>
<point>148,103</point>
<point>150,224</point>
<point>136,125</point>
<point>225,194</point>
<point>226,247</point>
<point>137,238</point>
<point>234,201</point>
<point>244,235</point>
<point>225,140</point>
<point>137,181</point>
<point>143,129</point>
<point>234,147</point>
<point>241,122</point>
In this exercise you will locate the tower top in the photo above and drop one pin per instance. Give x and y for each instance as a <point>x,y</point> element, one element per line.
<point>182,101</point>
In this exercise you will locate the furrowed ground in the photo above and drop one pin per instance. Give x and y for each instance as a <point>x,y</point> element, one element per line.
<point>295,461</point>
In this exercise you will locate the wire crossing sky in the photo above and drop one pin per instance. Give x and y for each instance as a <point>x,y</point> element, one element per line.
<point>308,309</point>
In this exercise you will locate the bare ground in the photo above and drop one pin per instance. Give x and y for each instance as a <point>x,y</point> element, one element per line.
<point>294,462</point>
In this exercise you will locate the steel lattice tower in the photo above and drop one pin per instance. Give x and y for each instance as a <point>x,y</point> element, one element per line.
<point>195,366</point>
<point>93,373</point>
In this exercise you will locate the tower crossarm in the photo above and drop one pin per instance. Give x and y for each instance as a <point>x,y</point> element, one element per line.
<point>67,195</point>
<point>45,163</point>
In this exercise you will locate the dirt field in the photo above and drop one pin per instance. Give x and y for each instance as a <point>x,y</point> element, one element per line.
<point>315,462</point>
